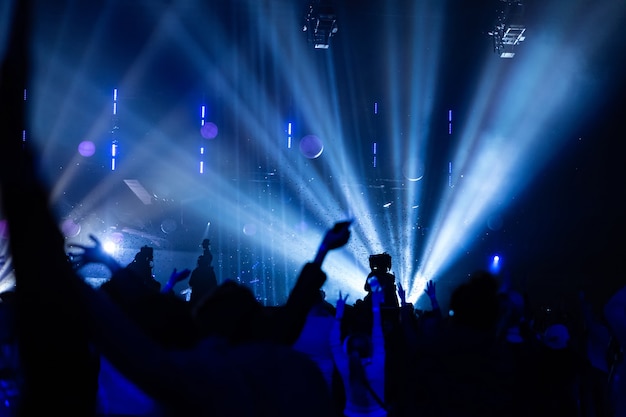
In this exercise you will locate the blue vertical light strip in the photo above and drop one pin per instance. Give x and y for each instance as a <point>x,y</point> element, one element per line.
<point>374,152</point>
<point>450,134</point>
<point>202,121</point>
<point>114,130</point>
<point>289,138</point>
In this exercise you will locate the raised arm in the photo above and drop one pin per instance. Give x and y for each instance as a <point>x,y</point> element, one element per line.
<point>378,341</point>
<point>175,278</point>
<point>290,319</point>
<point>335,333</point>
<point>93,254</point>
<point>407,319</point>
<point>431,292</point>
<point>333,239</point>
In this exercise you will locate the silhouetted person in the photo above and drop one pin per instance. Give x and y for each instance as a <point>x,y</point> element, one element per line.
<point>142,266</point>
<point>131,283</point>
<point>380,267</point>
<point>360,360</point>
<point>465,364</point>
<point>202,281</point>
<point>314,339</point>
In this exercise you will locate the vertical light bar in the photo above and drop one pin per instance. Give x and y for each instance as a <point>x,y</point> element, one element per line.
<point>202,121</point>
<point>289,126</point>
<point>374,152</point>
<point>201,160</point>
<point>115,128</point>
<point>113,154</point>
<point>113,150</point>
<point>114,101</point>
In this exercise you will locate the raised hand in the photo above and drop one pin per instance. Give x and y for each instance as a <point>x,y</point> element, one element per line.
<point>92,254</point>
<point>175,278</point>
<point>401,294</point>
<point>89,254</point>
<point>334,238</point>
<point>341,306</point>
<point>338,235</point>
<point>430,290</point>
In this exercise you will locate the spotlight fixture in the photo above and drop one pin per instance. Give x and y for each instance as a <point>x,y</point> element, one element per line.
<point>320,24</point>
<point>495,264</point>
<point>509,30</point>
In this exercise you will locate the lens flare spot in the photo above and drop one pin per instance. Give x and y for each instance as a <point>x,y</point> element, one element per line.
<point>70,228</point>
<point>168,225</point>
<point>116,238</point>
<point>249,229</point>
<point>413,169</point>
<point>311,146</point>
<point>209,130</point>
<point>86,148</point>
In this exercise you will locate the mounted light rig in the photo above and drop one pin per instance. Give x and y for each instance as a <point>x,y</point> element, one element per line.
<point>320,23</point>
<point>509,29</point>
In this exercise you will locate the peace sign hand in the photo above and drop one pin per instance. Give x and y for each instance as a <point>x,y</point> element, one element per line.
<point>341,306</point>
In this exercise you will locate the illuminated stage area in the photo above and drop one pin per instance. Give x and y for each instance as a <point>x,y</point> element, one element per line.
<point>163,123</point>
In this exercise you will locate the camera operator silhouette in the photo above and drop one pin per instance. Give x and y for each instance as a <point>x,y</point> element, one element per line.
<point>142,266</point>
<point>380,266</point>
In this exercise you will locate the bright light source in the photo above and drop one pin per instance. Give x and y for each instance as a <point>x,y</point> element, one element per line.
<point>110,247</point>
<point>495,265</point>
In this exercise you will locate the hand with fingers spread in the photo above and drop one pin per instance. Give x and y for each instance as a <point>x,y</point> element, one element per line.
<point>431,291</point>
<point>93,254</point>
<point>341,306</point>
